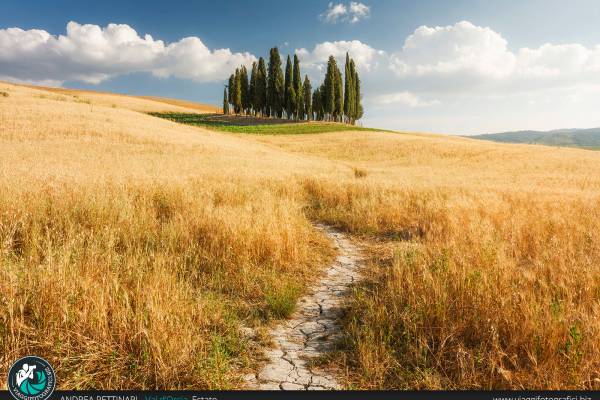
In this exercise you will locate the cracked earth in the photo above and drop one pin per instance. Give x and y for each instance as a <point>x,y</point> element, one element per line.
<point>313,329</point>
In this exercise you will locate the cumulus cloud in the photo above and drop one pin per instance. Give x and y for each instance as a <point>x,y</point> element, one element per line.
<point>471,70</point>
<point>365,56</point>
<point>358,11</point>
<point>464,56</point>
<point>92,54</point>
<point>341,12</point>
<point>459,48</point>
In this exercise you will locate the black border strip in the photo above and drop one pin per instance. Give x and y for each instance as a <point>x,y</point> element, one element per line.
<point>301,395</point>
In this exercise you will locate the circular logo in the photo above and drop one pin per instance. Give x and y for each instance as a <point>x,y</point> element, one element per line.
<point>31,378</point>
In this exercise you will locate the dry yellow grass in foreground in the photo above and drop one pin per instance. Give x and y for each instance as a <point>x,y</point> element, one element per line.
<point>132,249</point>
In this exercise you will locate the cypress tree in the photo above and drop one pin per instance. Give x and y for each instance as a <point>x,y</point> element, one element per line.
<point>353,78</point>
<point>275,84</point>
<point>349,97</point>
<point>225,102</point>
<point>288,96</point>
<point>252,89</point>
<point>237,92</point>
<point>245,99</point>
<point>323,101</point>
<point>328,92</point>
<point>299,97</point>
<point>280,88</point>
<point>291,103</point>
<point>260,91</point>
<point>339,95</point>
<point>316,103</point>
<point>358,112</point>
<point>319,103</point>
<point>307,101</point>
<point>230,89</point>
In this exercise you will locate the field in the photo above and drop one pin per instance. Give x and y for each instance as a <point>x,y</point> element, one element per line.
<point>133,248</point>
<point>256,125</point>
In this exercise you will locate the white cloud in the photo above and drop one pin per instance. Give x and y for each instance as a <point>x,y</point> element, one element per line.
<point>463,57</point>
<point>462,48</point>
<point>358,11</point>
<point>351,13</point>
<point>92,54</point>
<point>483,83</point>
<point>334,13</point>
<point>365,57</point>
<point>403,98</point>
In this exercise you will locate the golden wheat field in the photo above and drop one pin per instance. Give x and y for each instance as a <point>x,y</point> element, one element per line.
<point>133,248</point>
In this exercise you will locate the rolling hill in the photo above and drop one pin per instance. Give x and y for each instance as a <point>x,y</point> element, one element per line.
<point>584,138</point>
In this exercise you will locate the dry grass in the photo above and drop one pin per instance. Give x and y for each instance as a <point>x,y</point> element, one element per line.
<point>484,261</point>
<point>133,248</point>
<point>136,103</point>
<point>470,295</point>
<point>201,108</point>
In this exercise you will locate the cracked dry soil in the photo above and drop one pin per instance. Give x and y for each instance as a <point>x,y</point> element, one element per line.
<point>313,329</point>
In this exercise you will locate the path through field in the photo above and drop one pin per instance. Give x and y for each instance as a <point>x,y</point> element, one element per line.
<point>313,329</point>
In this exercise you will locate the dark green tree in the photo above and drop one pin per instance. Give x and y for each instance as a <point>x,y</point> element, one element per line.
<point>329,91</point>
<point>225,102</point>
<point>230,89</point>
<point>252,89</point>
<point>289,94</point>
<point>338,111</point>
<point>307,99</point>
<point>244,88</point>
<point>349,97</point>
<point>275,84</point>
<point>237,92</point>
<point>280,86</point>
<point>291,104</point>
<point>358,112</point>
<point>260,91</point>
<point>297,84</point>
<point>323,101</point>
<point>318,103</point>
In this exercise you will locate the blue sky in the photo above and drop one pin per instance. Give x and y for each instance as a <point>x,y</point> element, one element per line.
<point>457,67</point>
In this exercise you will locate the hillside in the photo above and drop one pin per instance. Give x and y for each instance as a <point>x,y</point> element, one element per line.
<point>584,138</point>
<point>136,103</point>
<point>152,243</point>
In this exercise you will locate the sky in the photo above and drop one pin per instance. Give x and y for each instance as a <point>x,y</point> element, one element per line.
<point>456,67</point>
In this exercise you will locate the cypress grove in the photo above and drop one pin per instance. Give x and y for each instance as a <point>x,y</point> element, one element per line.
<point>270,92</point>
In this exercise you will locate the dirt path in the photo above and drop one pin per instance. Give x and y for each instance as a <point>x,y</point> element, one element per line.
<point>313,329</point>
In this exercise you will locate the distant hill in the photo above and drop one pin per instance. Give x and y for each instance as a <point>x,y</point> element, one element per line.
<point>585,138</point>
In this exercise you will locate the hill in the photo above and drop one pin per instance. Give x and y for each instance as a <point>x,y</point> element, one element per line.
<point>134,248</point>
<point>584,138</point>
<point>136,103</point>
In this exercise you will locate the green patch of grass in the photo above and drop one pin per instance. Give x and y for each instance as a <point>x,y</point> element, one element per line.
<point>258,126</point>
<point>281,301</point>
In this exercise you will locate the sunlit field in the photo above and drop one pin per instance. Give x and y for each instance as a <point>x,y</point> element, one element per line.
<point>134,248</point>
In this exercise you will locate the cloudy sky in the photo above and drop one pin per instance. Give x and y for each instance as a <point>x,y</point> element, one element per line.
<point>460,67</point>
